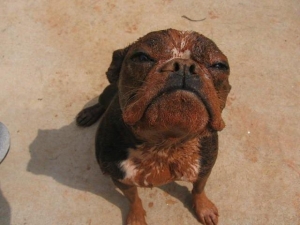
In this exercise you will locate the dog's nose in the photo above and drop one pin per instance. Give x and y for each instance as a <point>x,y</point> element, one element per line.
<point>181,66</point>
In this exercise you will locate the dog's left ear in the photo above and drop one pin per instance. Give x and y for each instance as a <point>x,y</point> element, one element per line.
<point>114,69</point>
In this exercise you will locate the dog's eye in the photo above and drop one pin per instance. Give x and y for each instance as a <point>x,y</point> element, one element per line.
<point>141,57</point>
<point>220,66</point>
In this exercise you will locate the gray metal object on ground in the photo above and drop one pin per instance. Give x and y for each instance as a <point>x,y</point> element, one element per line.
<point>4,141</point>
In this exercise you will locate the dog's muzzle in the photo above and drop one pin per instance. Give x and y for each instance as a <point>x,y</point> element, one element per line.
<point>177,75</point>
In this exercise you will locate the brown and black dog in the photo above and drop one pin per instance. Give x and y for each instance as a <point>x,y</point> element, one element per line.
<point>160,116</point>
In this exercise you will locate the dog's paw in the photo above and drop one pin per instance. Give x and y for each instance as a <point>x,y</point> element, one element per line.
<point>90,115</point>
<point>206,211</point>
<point>136,216</point>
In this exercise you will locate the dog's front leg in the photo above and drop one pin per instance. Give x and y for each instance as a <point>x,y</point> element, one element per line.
<point>206,211</point>
<point>136,215</point>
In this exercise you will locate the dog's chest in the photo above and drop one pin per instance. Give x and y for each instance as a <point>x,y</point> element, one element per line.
<point>147,167</point>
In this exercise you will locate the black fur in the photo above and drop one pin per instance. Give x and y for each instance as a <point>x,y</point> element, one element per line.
<point>113,138</point>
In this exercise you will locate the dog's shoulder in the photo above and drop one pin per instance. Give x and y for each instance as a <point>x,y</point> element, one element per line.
<point>108,95</point>
<point>113,138</point>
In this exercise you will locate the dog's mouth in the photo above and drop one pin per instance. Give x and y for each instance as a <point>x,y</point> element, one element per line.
<point>167,90</point>
<point>175,111</point>
<point>182,97</point>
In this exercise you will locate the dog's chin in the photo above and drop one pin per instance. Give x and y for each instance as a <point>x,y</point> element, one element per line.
<point>176,115</point>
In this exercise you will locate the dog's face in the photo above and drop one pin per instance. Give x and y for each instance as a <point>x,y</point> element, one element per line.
<point>171,83</point>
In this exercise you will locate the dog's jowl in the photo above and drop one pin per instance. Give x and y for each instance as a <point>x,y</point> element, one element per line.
<point>160,116</point>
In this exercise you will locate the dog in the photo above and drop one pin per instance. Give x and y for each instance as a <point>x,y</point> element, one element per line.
<point>160,116</point>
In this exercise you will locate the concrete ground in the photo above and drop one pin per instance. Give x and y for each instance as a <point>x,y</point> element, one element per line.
<point>53,58</point>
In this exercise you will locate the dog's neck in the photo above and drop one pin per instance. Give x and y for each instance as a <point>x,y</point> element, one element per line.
<point>167,140</point>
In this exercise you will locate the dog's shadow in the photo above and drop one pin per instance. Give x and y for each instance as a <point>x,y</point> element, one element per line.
<point>68,155</point>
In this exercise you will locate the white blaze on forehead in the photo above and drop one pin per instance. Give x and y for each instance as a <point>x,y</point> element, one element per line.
<point>179,54</point>
<point>180,51</point>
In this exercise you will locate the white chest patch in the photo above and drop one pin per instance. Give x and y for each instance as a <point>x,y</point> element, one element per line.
<point>147,167</point>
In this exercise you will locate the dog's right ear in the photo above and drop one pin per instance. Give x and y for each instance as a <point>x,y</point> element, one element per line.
<point>114,69</point>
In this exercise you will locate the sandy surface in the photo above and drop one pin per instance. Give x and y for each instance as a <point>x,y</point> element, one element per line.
<point>53,58</point>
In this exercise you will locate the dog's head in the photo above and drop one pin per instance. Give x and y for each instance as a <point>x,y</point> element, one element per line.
<point>171,83</point>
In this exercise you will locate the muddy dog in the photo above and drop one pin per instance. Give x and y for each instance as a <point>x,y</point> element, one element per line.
<point>160,116</point>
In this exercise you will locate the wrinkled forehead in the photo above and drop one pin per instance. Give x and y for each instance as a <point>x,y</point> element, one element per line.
<point>173,43</point>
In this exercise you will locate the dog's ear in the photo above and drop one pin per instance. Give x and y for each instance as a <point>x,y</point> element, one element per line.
<point>114,69</point>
